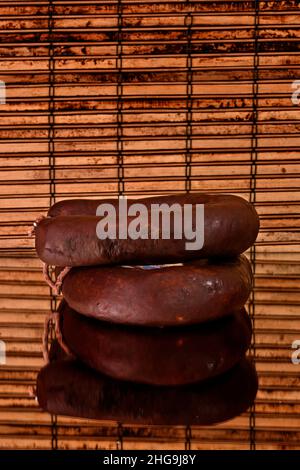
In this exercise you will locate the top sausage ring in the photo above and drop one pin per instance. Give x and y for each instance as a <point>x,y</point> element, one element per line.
<point>67,237</point>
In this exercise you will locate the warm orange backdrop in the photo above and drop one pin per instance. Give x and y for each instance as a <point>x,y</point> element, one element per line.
<point>142,98</point>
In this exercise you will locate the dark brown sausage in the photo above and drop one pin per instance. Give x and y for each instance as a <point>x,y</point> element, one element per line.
<point>153,355</point>
<point>67,387</point>
<point>80,206</point>
<point>230,227</point>
<point>195,292</point>
<point>89,206</point>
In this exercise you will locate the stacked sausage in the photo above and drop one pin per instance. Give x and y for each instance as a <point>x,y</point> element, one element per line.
<point>179,329</point>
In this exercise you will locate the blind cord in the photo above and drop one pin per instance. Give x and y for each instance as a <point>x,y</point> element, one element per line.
<point>189,99</point>
<point>51,152</point>
<point>254,146</point>
<point>119,67</point>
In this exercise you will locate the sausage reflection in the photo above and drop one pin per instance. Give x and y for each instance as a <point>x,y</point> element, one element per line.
<point>67,387</point>
<point>157,356</point>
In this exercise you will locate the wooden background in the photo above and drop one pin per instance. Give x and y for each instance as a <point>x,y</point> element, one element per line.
<point>145,97</point>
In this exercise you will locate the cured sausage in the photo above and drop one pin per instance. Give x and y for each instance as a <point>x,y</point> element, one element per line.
<point>157,356</point>
<point>89,206</point>
<point>67,387</point>
<point>194,292</point>
<point>230,227</point>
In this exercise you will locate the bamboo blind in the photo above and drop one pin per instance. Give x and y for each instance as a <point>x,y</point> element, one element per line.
<point>145,97</point>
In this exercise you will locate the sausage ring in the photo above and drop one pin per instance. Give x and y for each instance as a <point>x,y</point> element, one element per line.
<point>71,238</point>
<point>194,292</point>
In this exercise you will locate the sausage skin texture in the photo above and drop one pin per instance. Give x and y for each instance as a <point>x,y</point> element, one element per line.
<point>231,226</point>
<point>67,387</point>
<point>194,292</point>
<point>89,206</point>
<point>184,355</point>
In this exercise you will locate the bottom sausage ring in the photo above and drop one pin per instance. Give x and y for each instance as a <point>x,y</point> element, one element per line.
<point>193,292</point>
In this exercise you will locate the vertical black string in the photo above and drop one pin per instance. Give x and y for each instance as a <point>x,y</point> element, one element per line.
<point>188,21</point>
<point>54,436</point>
<point>254,152</point>
<point>51,153</point>
<point>51,149</point>
<point>188,438</point>
<point>189,98</point>
<point>119,67</point>
<point>120,432</point>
